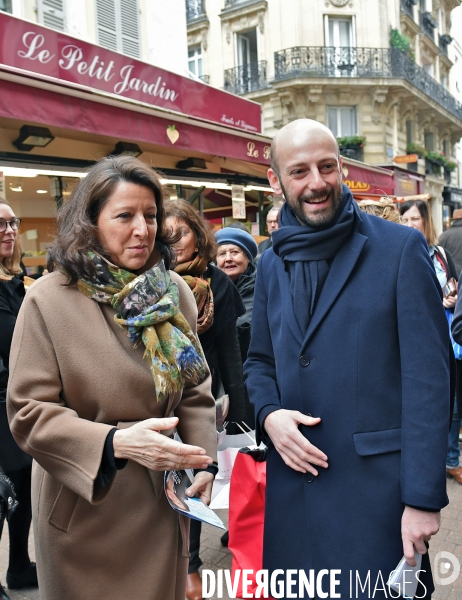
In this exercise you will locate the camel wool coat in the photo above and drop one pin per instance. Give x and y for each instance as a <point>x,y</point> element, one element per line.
<point>75,375</point>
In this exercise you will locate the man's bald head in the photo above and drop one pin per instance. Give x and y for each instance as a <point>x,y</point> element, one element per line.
<point>296,133</point>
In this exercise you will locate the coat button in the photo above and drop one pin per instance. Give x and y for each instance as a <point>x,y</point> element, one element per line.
<point>304,361</point>
<point>308,477</point>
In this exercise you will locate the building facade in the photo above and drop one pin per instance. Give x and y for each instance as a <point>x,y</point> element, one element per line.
<point>377,72</point>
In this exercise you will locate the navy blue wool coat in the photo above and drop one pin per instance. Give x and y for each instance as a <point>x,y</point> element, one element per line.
<point>373,364</point>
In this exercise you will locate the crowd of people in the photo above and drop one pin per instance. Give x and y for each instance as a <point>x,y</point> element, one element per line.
<point>145,320</point>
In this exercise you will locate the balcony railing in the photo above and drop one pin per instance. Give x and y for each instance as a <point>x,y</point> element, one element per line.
<point>231,3</point>
<point>428,24</point>
<point>322,61</point>
<point>403,66</point>
<point>407,6</point>
<point>246,78</point>
<point>318,61</point>
<point>195,9</point>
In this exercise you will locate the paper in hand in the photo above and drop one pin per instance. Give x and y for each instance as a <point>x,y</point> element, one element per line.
<point>405,579</point>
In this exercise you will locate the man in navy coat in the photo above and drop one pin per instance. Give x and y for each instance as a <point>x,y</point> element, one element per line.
<point>348,372</point>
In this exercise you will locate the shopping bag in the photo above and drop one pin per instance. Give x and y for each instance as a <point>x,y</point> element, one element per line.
<point>455,346</point>
<point>246,514</point>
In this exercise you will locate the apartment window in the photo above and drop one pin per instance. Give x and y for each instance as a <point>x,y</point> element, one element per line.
<point>342,120</point>
<point>409,132</point>
<point>426,6</point>
<point>429,141</point>
<point>117,25</point>
<point>339,33</point>
<point>247,48</point>
<point>195,61</point>
<point>446,148</point>
<point>5,6</point>
<point>52,13</point>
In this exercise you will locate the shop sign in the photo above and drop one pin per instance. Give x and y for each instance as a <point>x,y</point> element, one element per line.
<point>406,158</point>
<point>2,186</point>
<point>364,179</point>
<point>238,201</point>
<point>51,54</point>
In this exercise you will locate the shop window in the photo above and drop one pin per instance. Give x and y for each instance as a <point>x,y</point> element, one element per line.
<point>195,61</point>
<point>5,6</point>
<point>342,120</point>
<point>52,14</point>
<point>117,25</point>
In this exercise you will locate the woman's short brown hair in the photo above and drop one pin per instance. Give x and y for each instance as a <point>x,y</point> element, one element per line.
<point>206,244</point>
<point>11,266</point>
<point>427,220</point>
<point>77,230</point>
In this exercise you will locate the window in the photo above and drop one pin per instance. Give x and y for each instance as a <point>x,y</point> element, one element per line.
<point>429,141</point>
<point>339,33</point>
<point>195,61</point>
<point>51,13</point>
<point>247,48</point>
<point>117,26</point>
<point>5,6</point>
<point>342,120</point>
<point>409,132</point>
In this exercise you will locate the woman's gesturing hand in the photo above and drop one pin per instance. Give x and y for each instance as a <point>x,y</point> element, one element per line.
<point>145,445</point>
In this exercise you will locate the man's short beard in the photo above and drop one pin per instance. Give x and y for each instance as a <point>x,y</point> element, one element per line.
<point>323,219</point>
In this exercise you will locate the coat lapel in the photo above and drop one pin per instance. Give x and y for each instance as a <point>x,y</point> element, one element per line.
<point>339,272</point>
<point>288,303</point>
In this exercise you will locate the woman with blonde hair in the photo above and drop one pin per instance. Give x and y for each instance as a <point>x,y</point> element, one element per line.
<point>16,464</point>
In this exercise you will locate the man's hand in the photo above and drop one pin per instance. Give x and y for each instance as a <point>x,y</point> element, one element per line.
<point>295,450</point>
<point>202,487</point>
<point>417,527</point>
<point>450,301</point>
<point>144,444</point>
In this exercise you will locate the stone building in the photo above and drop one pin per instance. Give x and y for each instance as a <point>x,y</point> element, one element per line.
<point>377,72</point>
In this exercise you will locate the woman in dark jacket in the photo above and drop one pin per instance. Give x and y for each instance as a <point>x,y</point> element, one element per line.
<point>16,464</point>
<point>219,306</point>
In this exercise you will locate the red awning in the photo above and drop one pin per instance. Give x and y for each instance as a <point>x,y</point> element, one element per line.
<point>365,180</point>
<point>98,115</point>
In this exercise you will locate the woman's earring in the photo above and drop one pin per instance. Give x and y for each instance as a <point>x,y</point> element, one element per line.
<point>196,249</point>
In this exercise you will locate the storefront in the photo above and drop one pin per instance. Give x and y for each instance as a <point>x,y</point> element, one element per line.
<point>452,199</point>
<point>89,102</point>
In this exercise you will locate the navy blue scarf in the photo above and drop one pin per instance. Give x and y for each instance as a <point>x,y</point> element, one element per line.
<point>308,251</point>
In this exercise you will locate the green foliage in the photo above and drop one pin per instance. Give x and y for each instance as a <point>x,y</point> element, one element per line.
<point>450,166</point>
<point>351,141</point>
<point>438,158</point>
<point>402,42</point>
<point>413,148</point>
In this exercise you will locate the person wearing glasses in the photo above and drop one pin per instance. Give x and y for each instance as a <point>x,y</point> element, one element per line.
<point>272,225</point>
<point>16,463</point>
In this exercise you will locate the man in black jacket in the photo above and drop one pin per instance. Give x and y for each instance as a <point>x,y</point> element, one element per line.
<point>272,225</point>
<point>451,239</point>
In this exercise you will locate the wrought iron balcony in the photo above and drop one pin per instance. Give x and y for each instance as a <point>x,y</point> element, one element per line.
<point>195,9</point>
<point>407,6</point>
<point>443,43</point>
<point>428,24</point>
<point>246,78</point>
<point>232,3</point>
<point>322,61</point>
<point>318,61</point>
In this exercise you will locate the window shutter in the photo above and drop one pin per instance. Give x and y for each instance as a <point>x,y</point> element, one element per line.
<point>130,27</point>
<point>51,13</point>
<point>106,24</point>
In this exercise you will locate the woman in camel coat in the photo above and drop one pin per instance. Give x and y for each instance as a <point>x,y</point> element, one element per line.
<point>96,408</point>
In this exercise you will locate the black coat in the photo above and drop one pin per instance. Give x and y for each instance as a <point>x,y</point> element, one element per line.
<point>221,347</point>
<point>245,283</point>
<point>11,297</point>
<point>373,364</point>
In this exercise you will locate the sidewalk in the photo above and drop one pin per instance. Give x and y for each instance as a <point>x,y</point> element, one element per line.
<point>216,557</point>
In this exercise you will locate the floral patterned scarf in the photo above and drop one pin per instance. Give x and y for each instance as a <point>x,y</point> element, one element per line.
<point>191,272</point>
<point>147,308</point>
